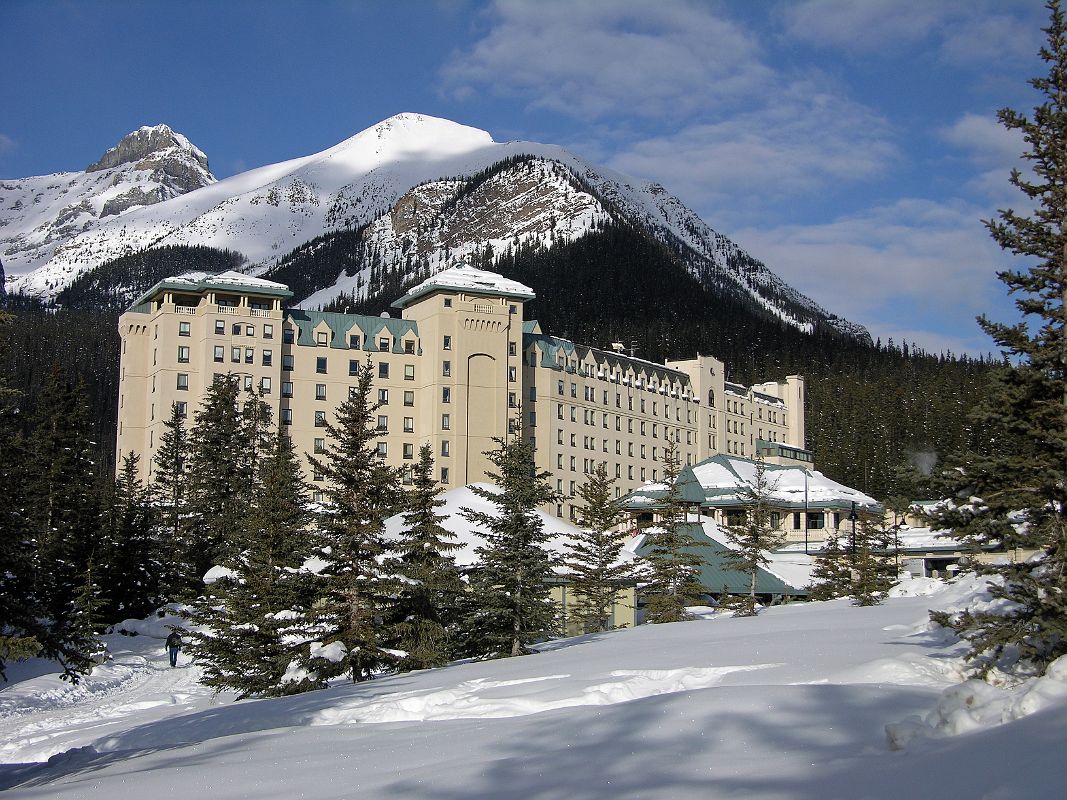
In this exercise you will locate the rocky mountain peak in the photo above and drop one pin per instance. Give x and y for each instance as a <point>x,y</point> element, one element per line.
<point>148,144</point>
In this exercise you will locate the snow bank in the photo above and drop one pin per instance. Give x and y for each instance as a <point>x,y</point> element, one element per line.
<point>976,705</point>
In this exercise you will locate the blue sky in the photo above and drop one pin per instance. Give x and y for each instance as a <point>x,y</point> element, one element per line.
<point>850,144</point>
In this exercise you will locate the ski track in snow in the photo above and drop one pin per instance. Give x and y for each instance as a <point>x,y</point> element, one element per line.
<point>39,717</point>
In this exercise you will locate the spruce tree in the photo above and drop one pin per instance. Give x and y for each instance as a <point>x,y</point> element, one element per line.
<point>128,558</point>
<point>356,590</point>
<point>168,491</point>
<point>510,604</point>
<point>218,484</point>
<point>20,629</point>
<point>63,506</point>
<point>873,562</point>
<point>429,595</point>
<point>672,561</point>
<point>831,574</point>
<point>596,575</point>
<point>754,536</point>
<point>1015,498</point>
<point>249,621</point>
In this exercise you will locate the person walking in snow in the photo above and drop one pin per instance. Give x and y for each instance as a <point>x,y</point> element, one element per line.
<point>174,644</point>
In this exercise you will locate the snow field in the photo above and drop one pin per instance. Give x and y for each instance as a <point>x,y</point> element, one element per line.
<point>792,704</point>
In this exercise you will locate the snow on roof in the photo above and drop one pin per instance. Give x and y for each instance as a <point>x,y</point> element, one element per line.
<point>470,535</point>
<point>470,279</point>
<point>721,474</point>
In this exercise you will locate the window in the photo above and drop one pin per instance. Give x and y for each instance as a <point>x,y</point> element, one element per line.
<point>533,419</point>
<point>409,450</point>
<point>320,446</point>
<point>409,372</point>
<point>559,388</point>
<point>448,302</point>
<point>409,347</point>
<point>512,400</point>
<point>287,336</point>
<point>445,451</point>
<point>250,330</point>
<point>409,398</point>
<point>264,385</point>
<point>183,381</point>
<point>409,424</point>
<point>268,357</point>
<point>383,397</point>
<point>268,331</point>
<point>353,391</point>
<point>322,338</point>
<point>316,474</point>
<point>184,329</point>
<point>236,329</point>
<point>383,369</point>
<point>816,520</point>
<point>444,474</point>
<point>183,355</point>
<point>446,422</point>
<point>559,435</point>
<point>574,390</point>
<point>383,345</point>
<point>383,422</point>
<point>796,520</point>
<point>512,349</point>
<point>220,328</point>
<point>383,449</point>
<point>183,408</point>
<point>446,395</point>
<point>287,361</point>
<point>250,355</point>
<point>353,366</point>
<point>320,419</point>
<point>446,343</point>
<point>235,354</point>
<point>776,519</point>
<point>248,383</point>
<point>320,365</point>
<point>559,410</point>
<point>287,416</point>
<point>446,369</point>
<point>512,374</point>
<point>320,391</point>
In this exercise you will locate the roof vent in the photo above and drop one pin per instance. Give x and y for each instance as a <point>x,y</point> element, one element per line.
<point>384,315</point>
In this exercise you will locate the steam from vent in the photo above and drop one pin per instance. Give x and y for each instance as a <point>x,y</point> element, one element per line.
<point>924,460</point>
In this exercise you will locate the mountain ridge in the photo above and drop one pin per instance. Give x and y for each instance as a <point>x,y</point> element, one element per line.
<point>377,178</point>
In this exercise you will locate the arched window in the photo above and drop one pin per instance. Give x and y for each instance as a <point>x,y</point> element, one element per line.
<point>711,398</point>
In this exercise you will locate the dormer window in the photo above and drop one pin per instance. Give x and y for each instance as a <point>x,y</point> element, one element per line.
<point>321,338</point>
<point>448,302</point>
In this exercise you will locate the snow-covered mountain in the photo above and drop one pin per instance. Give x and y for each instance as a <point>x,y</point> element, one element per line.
<point>41,215</point>
<point>427,192</point>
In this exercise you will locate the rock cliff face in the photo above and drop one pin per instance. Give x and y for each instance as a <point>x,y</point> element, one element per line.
<point>38,215</point>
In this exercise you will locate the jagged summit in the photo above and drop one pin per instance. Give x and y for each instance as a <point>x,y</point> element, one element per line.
<point>146,141</point>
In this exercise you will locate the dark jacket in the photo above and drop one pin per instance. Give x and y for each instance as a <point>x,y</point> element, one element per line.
<point>174,640</point>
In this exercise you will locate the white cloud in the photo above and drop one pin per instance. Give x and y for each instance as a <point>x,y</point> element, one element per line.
<point>7,144</point>
<point>595,59</point>
<point>912,265</point>
<point>972,33</point>
<point>986,141</point>
<point>801,140</point>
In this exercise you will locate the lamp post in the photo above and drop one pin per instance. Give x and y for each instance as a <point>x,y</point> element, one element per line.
<point>806,513</point>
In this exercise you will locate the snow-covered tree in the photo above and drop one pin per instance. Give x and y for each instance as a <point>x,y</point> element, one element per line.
<point>356,588</point>
<point>754,535</point>
<point>510,602</point>
<point>673,562</point>
<point>1015,497</point>
<point>596,574</point>
<point>431,587</point>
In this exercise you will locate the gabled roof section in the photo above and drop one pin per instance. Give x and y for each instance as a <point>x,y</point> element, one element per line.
<point>714,575</point>
<point>340,324</point>
<point>467,279</point>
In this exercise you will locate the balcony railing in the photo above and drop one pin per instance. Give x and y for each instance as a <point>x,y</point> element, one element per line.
<point>259,312</point>
<point>228,310</point>
<point>185,310</point>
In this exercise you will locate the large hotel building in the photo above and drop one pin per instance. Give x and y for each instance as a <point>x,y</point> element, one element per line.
<point>458,367</point>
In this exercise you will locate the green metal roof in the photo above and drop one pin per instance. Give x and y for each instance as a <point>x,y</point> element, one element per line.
<point>714,575</point>
<point>340,324</point>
